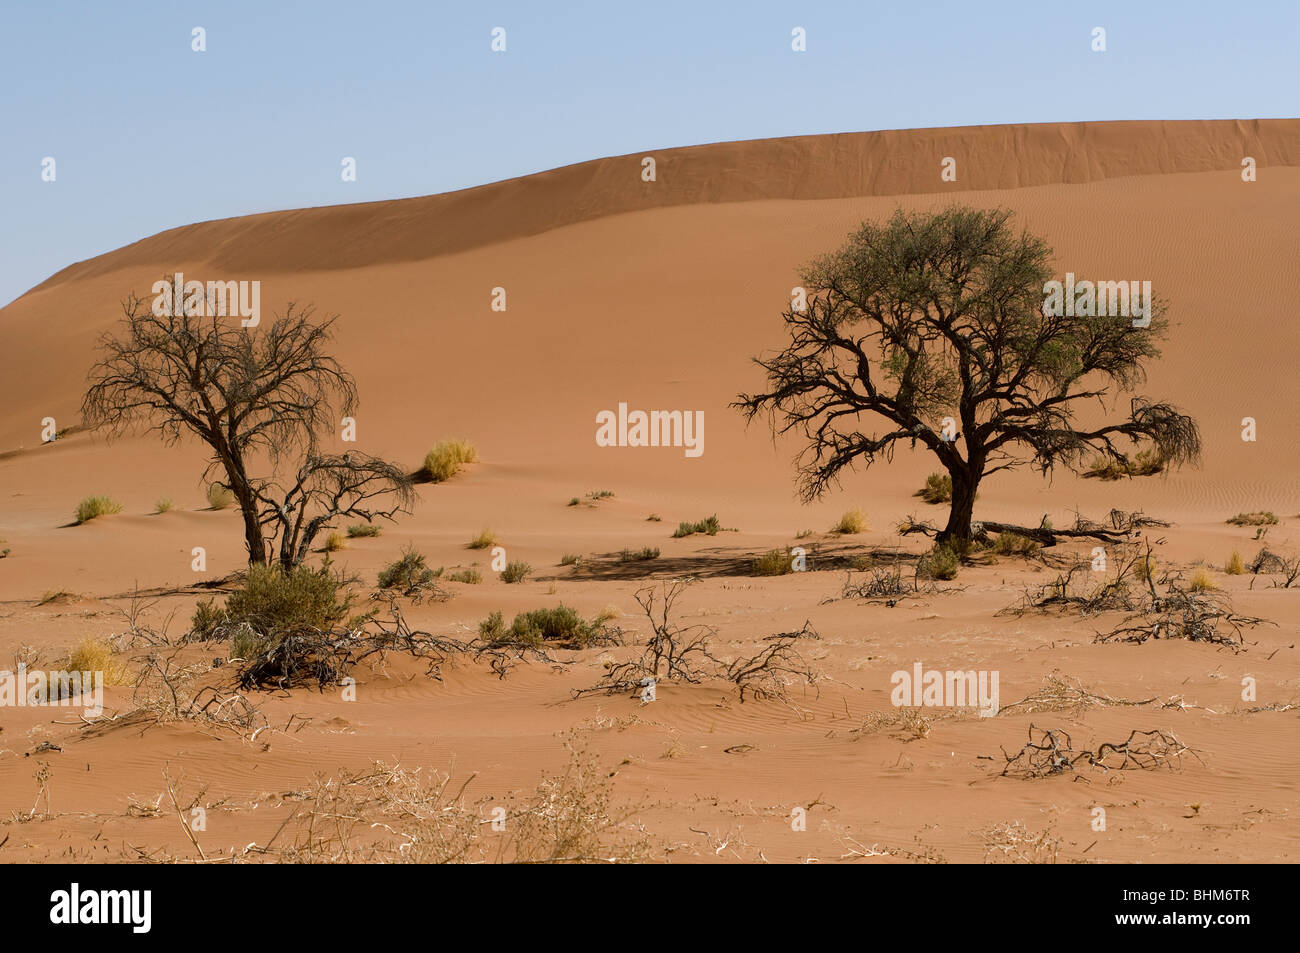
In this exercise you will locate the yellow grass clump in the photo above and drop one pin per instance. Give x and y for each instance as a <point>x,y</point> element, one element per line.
<point>445,460</point>
<point>484,540</point>
<point>220,496</point>
<point>852,522</point>
<point>96,655</point>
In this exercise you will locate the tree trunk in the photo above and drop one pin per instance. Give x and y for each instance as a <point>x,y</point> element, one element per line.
<point>964,484</point>
<point>238,483</point>
<point>252,530</point>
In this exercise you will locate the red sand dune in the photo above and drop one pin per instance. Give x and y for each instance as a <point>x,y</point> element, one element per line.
<point>659,294</point>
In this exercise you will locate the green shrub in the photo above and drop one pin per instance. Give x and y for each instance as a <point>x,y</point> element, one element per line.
<point>937,489</point>
<point>654,518</point>
<point>246,643</point>
<point>638,555</point>
<point>220,496</point>
<point>408,573</point>
<point>1013,544</point>
<point>362,529</point>
<point>445,460</point>
<point>493,628</point>
<point>709,527</point>
<point>574,501</point>
<point>273,601</point>
<point>93,507</point>
<point>1257,518</point>
<point>516,571</point>
<point>561,625</point>
<point>569,559</point>
<point>852,522</point>
<point>469,576</point>
<point>942,562</point>
<point>774,562</point>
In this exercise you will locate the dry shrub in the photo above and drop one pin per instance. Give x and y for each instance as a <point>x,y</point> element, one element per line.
<point>885,582</point>
<point>392,814</point>
<point>906,724</point>
<point>1051,752</point>
<point>1235,566</point>
<point>1059,693</point>
<point>1015,844</point>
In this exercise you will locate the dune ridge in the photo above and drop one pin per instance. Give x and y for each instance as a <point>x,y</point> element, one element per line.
<point>891,162</point>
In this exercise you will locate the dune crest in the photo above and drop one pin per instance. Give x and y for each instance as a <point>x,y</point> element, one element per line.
<point>892,162</point>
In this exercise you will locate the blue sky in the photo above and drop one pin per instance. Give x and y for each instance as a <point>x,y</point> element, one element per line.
<point>148,134</point>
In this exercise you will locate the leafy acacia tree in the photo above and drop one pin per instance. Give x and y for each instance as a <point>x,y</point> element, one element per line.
<point>251,394</point>
<point>942,315</point>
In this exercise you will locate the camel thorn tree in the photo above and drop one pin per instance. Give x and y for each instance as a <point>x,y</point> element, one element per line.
<point>943,315</point>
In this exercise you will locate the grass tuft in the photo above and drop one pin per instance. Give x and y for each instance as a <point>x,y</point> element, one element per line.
<point>484,540</point>
<point>852,522</point>
<point>220,496</point>
<point>516,571</point>
<point>446,458</point>
<point>937,489</point>
<point>93,507</point>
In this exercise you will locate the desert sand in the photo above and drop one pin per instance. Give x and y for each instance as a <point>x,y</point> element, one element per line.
<point>658,295</point>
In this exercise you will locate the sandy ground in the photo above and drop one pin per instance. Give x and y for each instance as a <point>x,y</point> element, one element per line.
<point>660,299</point>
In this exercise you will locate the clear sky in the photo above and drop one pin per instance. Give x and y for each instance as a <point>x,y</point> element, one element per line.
<point>148,134</point>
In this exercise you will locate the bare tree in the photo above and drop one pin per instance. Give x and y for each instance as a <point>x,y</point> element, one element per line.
<point>935,315</point>
<point>326,488</point>
<point>270,390</point>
